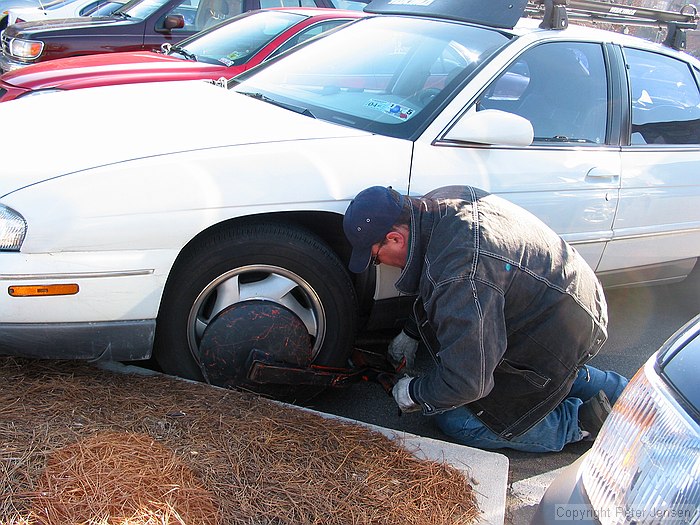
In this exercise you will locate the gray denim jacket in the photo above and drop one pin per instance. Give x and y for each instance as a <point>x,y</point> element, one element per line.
<point>509,310</point>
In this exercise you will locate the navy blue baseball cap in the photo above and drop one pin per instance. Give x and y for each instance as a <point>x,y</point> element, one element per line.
<point>369,217</point>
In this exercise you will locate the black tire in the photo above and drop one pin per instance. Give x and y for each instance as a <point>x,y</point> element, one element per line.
<point>314,284</point>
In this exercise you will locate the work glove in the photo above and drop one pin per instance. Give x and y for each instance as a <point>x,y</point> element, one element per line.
<point>403,347</point>
<point>402,395</point>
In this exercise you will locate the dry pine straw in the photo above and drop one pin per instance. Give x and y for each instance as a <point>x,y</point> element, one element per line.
<point>79,445</point>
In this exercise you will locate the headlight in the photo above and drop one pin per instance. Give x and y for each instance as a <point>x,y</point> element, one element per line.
<point>13,228</point>
<point>27,49</point>
<point>644,466</point>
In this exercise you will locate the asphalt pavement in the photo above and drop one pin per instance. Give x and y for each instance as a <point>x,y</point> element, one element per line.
<point>641,319</point>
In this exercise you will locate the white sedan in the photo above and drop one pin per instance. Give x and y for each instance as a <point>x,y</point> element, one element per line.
<point>185,220</point>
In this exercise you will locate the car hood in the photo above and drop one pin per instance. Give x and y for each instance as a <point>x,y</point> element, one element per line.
<point>87,128</point>
<point>27,29</point>
<point>108,68</point>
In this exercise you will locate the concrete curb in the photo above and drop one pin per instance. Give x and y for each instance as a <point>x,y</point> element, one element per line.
<point>487,470</point>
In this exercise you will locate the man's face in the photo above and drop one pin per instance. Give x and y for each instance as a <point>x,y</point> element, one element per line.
<point>393,249</point>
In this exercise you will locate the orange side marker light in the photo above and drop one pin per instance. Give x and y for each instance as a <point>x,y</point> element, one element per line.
<point>42,290</point>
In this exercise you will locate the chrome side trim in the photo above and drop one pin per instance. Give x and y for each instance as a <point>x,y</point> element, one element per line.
<point>78,275</point>
<point>655,234</point>
<point>568,146</point>
<point>590,241</point>
<point>613,237</point>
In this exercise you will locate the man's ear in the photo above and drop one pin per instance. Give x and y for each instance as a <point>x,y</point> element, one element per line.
<point>397,237</point>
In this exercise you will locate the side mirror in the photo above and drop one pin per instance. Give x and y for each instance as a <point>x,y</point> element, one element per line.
<point>492,126</point>
<point>174,22</point>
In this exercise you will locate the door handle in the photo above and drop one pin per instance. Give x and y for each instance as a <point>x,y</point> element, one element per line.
<point>601,173</point>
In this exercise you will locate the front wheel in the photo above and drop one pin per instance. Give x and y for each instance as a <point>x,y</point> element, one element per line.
<point>242,274</point>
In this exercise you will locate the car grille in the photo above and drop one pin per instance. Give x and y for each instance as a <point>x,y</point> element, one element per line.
<point>5,43</point>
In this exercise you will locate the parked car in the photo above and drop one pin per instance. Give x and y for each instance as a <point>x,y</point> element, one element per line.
<point>218,211</point>
<point>61,9</point>
<point>6,5</point>
<point>140,25</point>
<point>643,466</point>
<point>222,51</point>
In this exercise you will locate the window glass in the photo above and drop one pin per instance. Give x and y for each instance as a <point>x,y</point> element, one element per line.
<point>665,99</point>
<point>306,34</point>
<point>202,14</point>
<point>91,7</point>
<point>378,73</point>
<point>142,8</point>
<point>236,42</point>
<point>57,4</point>
<point>560,87</point>
<point>106,8</point>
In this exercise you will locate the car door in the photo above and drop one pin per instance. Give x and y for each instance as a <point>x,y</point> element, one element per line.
<point>657,227</point>
<point>570,175</point>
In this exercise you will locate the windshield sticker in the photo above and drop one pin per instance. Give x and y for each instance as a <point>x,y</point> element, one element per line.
<point>221,82</point>
<point>226,61</point>
<point>390,108</point>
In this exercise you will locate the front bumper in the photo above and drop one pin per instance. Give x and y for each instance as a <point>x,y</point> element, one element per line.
<point>108,341</point>
<point>566,501</point>
<point>9,64</point>
<point>112,315</point>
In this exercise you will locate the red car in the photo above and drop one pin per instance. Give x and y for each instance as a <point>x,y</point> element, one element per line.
<point>224,50</point>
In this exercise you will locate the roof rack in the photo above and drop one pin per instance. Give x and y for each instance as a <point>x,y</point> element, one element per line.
<point>555,14</point>
<point>493,13</point>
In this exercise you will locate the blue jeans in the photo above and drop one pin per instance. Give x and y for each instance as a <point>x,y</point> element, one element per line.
<point>557,429</point>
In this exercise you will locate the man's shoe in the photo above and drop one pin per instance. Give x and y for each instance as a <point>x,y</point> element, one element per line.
<point>592,414</point>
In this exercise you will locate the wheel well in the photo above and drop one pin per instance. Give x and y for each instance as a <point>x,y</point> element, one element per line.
<point>326,225</point>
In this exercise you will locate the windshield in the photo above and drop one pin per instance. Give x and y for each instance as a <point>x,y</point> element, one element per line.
<point>106,9</point>
<point>234,43</point>
<point>377,74</point>
<point>141,8</point>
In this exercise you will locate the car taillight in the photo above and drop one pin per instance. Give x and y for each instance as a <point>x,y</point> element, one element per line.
<point>644,466</point>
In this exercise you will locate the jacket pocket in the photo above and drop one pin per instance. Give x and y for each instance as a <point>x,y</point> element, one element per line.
<point>532,377</point>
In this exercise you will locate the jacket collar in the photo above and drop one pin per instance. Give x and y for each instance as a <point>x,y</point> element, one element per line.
<point>419,237</point>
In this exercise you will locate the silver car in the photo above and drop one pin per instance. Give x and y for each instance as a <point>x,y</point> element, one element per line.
<point>644,466</point>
